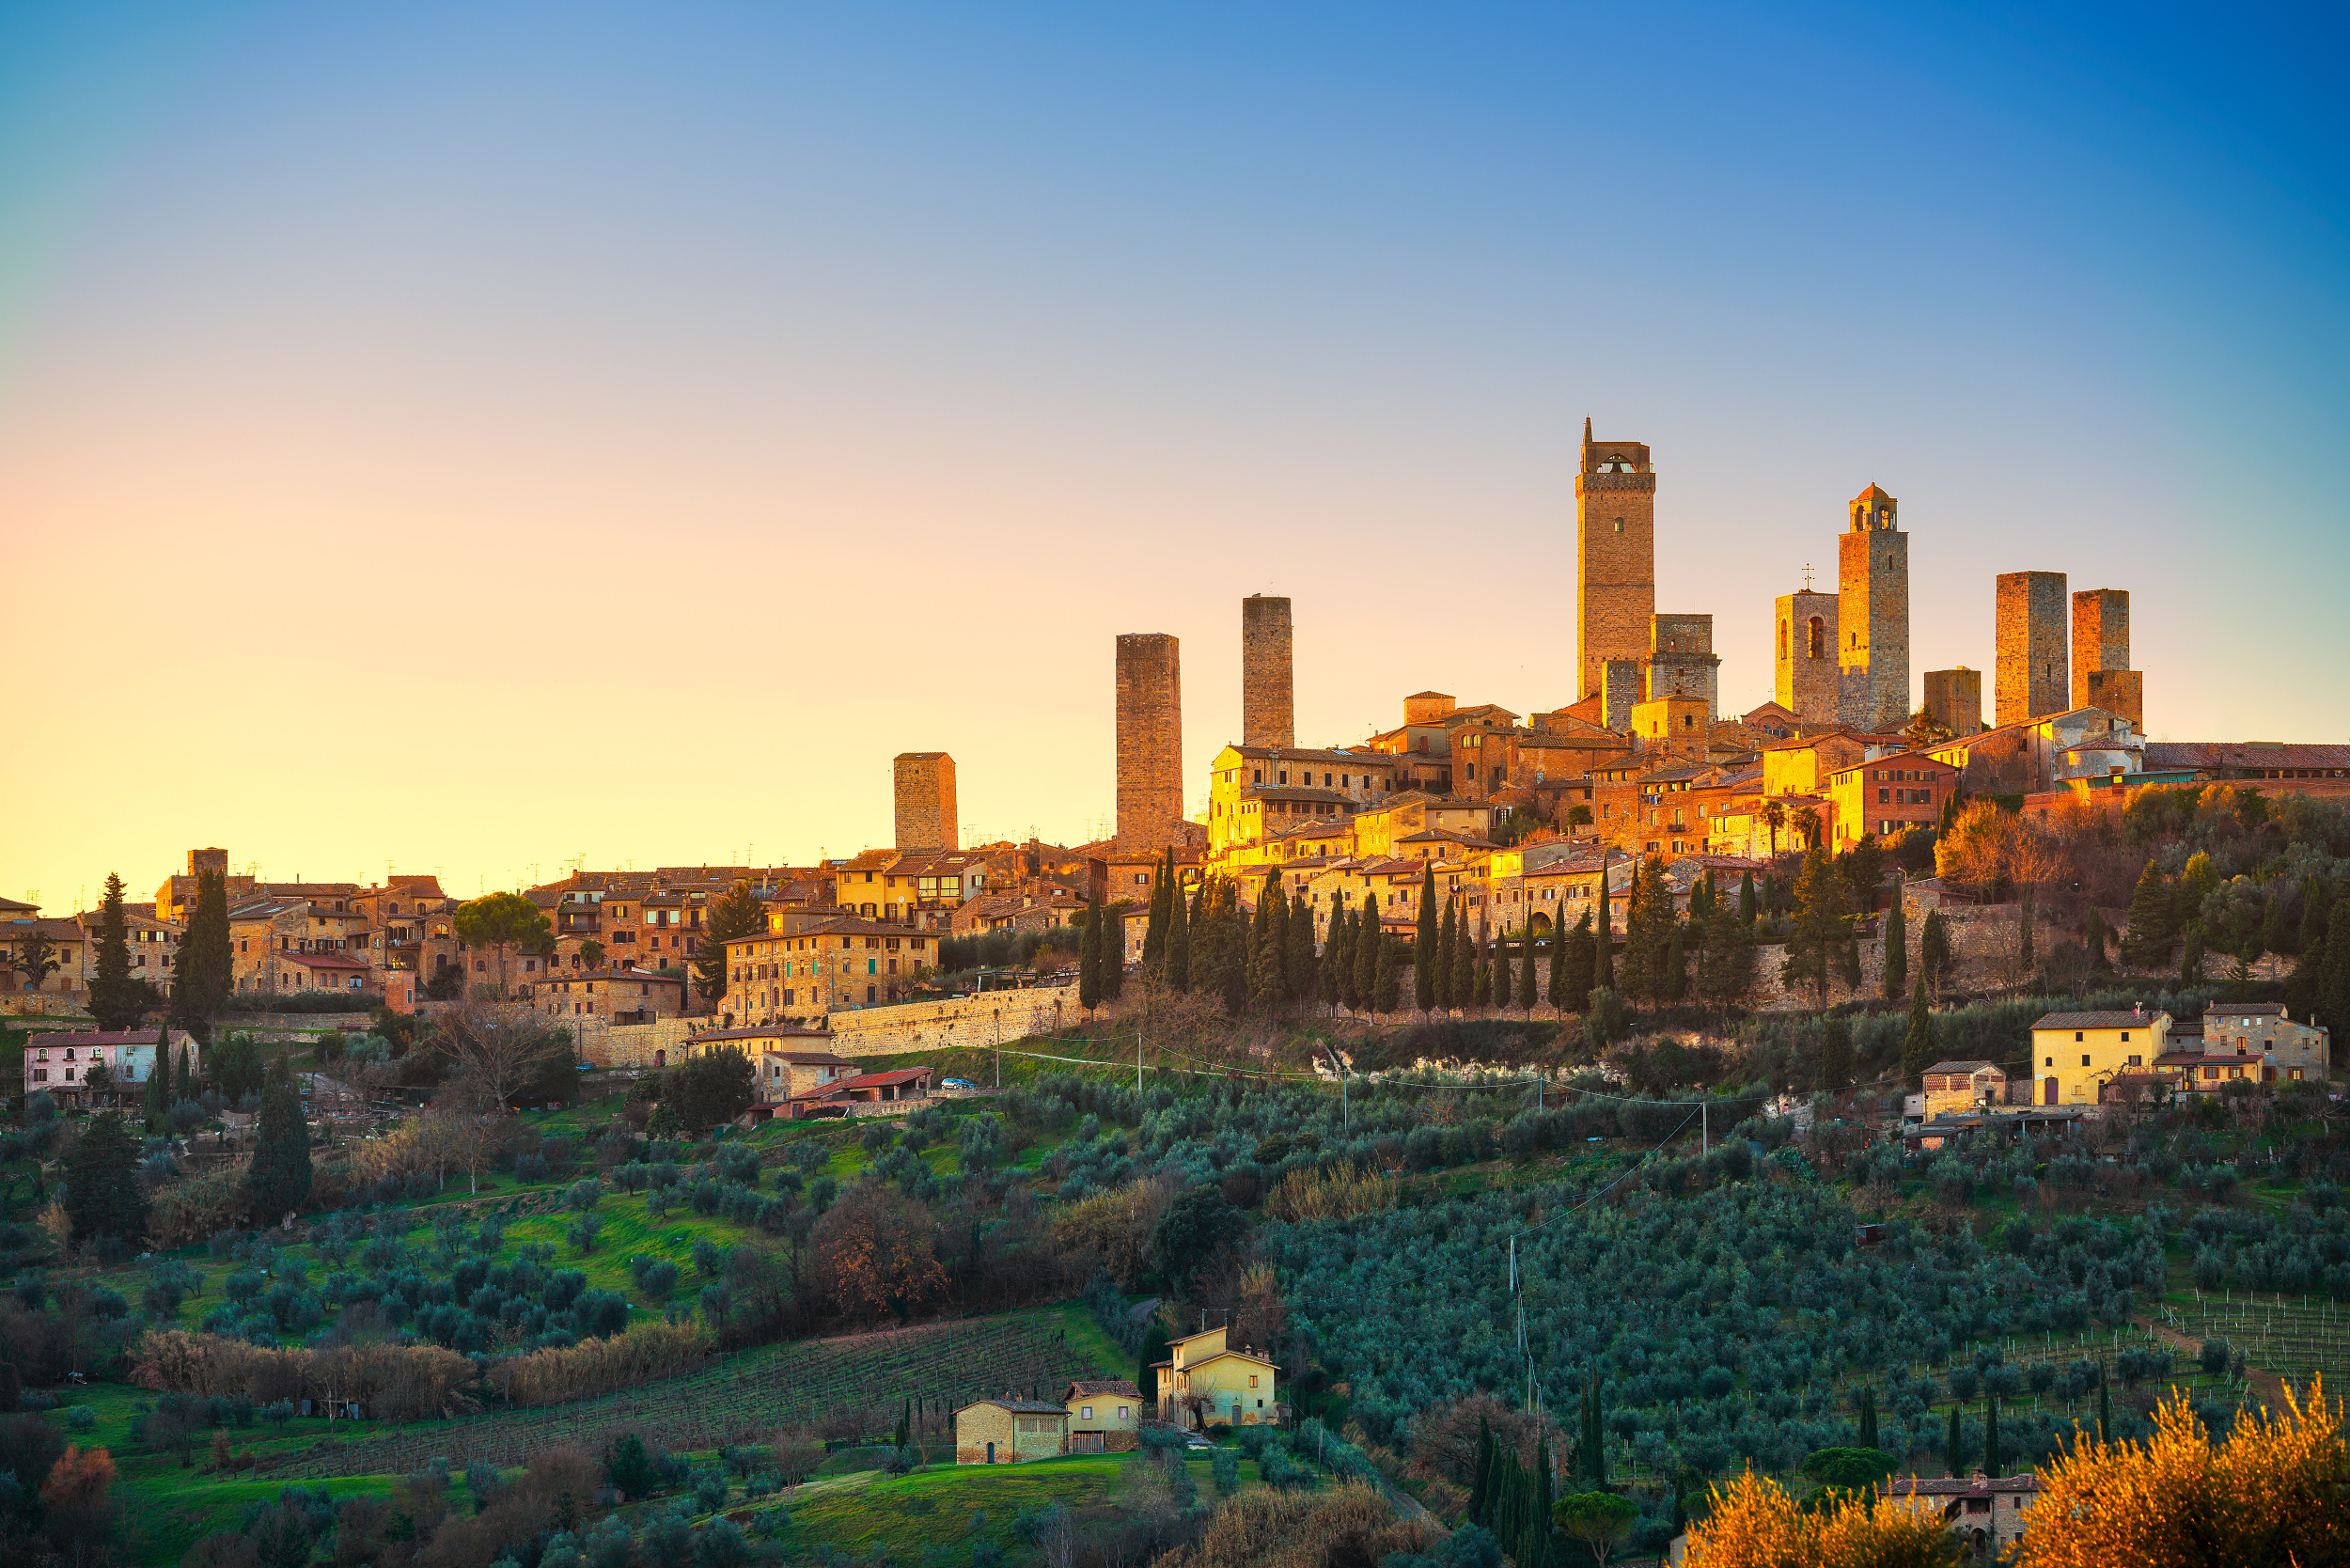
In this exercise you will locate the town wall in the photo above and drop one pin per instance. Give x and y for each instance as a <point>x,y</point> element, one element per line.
<point>1150,741</point>
<point>2031,678</point>
<point>1267,693</point>
<point>988,1018</point>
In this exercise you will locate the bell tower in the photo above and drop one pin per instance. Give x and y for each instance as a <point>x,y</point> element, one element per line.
<point>1873,614</point>
<point>1614,556</point>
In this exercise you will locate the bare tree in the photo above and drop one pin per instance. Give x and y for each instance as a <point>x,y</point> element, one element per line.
<point>496,1049</point>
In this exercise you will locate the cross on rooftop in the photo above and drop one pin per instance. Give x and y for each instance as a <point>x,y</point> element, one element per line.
<point>1807,577</point>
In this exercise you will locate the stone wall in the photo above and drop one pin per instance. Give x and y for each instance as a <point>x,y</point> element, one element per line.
<point>2031,677</point>
<point>1268,694</point>
<point>989,1018</point>
<point>2118,691</point>
<point>1954,698</point>
<point>1149,740</point>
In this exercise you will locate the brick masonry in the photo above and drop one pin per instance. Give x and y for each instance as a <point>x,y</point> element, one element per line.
<point>2102,675</point>
<point>1149,740</point>
<point>1267,711</point>
<point>2031,679</point>
<point>1620,692</point>
<point>1615,543</point>
<point>925,790</point>
<point>2118,691</point>
<point>1873,613</point>
<point>1681,662</point>
<point>1954,698</point>
<point>1810,684</point>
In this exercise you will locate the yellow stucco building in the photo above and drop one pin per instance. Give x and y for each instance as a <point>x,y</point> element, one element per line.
<point>2074,1055</point>
<point>1205,1381</point>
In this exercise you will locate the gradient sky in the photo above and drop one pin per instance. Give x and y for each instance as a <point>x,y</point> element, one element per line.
<point>472,436</point>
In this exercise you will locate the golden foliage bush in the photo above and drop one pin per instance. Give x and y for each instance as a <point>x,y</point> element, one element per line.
<point>1350,1523</point>
<point>1343,1192</point>
<point>190,1210</point>
<point>560,1372</point>
<point>1755,1522</point>
<point>2275,1490</point>
<point>395,1382</point>
<point>1112,1230</point>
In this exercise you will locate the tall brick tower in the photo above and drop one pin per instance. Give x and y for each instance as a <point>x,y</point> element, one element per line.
<point>2102,675</point>
<point>1149,740</point>
<point>2031,678</point>
<point>1267,714</point>
<point>1873,614</point>
<point>1954,698</point>
<point>1810,684</point>
<point>1615,556</point>
<point>926,801</point>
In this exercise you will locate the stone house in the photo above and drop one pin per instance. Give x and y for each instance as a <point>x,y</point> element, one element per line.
<point>2241,1040</point>
<point>1009,1431</point>
<point>1205,1381</point>
<point>1987,1513</point>
<point>68,948</point>
<point>623,995</point>
<point>60,1063</point>
<point>1802,766</point>
<point>839,962</point>
<point>1104,1416</point>
<point>2075,1055</point>
<point>1963,1086</point>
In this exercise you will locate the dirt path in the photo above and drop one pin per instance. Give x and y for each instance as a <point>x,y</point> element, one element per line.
<point>2270,1387</point>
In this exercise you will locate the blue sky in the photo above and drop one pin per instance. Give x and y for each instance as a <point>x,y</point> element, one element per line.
<point>804,381</point>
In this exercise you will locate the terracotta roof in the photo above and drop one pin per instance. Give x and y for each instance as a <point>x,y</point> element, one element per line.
<point>2243,1010</point>
<point>882,1080</point>
<point>1115,1387</point>
<point>1965,1067</point>
<point>324,961</point>
<point>1953,1486</point>
<point>107,1037</point>
<point>2097,1021</point>
<point>1020,1406</point>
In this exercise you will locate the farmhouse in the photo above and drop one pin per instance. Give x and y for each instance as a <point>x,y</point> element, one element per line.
<point>1009,1431</point>
<point>1104,1417</point>
<point>1963,1086</point>
<point>1204,1381</point>
<point>1986,1513</point>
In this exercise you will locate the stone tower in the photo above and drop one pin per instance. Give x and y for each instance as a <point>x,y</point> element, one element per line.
<point>926,801</point>
<point>1267,715</point>
<point>1150,741</point>
<point>2030,680</point>
<point>202,860</point>
<point>1873,614</point>
<point>1810,684</point>
<point>2102,675</point>
<point>1681,661</point>
<point>1615,556</point>
<point>1954,698</point>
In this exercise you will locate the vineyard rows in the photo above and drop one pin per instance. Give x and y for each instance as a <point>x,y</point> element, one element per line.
<point>2290,1336</point>
<point>746,1397</point>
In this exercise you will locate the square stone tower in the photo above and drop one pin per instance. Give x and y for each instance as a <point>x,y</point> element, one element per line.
<point>1954,698</point>
<point>1614,556</point>
<point>1873,614</point>
<point>2030,680</point>
<point>1681,661</point>
<point>2102,675</point>
<point>1620,692</point>
<point>1150,741</point>
<point>926,801</point>
<point>1267,715</point>
<point>1811,685</point>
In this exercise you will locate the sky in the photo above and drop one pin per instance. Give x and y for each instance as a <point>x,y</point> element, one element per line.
<point>471,438</point>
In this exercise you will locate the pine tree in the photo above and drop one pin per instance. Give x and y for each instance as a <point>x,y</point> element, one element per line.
<point>1578,963</point>
<point>1525,974</point>
<point>1835,1053</point>
<point>1505,988</point>
<point>1919,1051</point>
<point>1090,957</point>
<point>1954,1445</point>
<point>1178,941</point>
<point>1385,990</point>
<point>102,1187</point>
<point>1869,1416</point>
<point>116,1000</point>
<point>1425,953</point>
<point>279,1177</point>
<point>1369,939</point>
<point>1991,1436</point>
<point>1447,955</point>
<point>1603,936</point>
<point>736,912</point>
<point>1933,951</point>
<point>1896,951</point>
<point>203,978</point>
<point>1154,933</point>
<point>1820,931</point>
<point>1747,909</point>
<point>1297,964</point>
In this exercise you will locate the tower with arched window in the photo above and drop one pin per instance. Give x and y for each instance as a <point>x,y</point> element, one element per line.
<point>1873,613</point>
<point>1804,655</point>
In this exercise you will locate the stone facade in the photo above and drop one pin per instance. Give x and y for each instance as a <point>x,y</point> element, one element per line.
<point>1681,662</point>
<point>2031,676</point>
<point>1008,1431</point>
<point>1810,684</point>
<point>2102,675</point>
<point>925,788</point>
<point>1150,741</point>
<point>1615,542</point>
<point>1267,707</point>
<point>1955,699</point>
<point>1873,614</point>
<point>2118,691</point>
<point>1618,688</point>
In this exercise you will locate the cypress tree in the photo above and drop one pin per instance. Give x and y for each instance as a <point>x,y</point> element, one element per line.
<point>2104,1407</point>
<point>1821,930</point>
<point>1534,1543</point>
<point>159,1083</point>
<point>1090,957</point>
<point>1425,953</point>
<point>2094,938</point>
<point>201,978</point>
<point>1556,988</point>
<point>1482,1473</point>
<point>1369,939</point>
<point>1267,987</point>
<point>1446,947</point>
<point>1504,986</point>
<point>1153,1351</point>
<point>1648,931</point>
<point>1676,966</point>
<point>102,1187</point>
<point>2024,929</point>
<point>116,1000</point>
<point>1113,956</point>
<point>1468,966</point>
<point>1954,1445</point>
<point>2191,957</point>
<point>1178,942</point>
<point>1385,990</point>
<point>186,1084</point>
<point>1896,951</point>
<point>1933,951</point>
<point>279,1177</point>
<point>1154,933</point>
<point>1297,964</point>
<point>1337,969</point>
<point>1578,963</point>
<point>1869,1416</point>
<point>1919,1051</point>
<point>1836,1053</point>
<point>2336,989</point>
<point>1594,1437</point>
<point>1603,936</point>
<point>1991,1436</point>
<point>1745,899</point>
<point>1525,974</point>
<point>2313,939</point>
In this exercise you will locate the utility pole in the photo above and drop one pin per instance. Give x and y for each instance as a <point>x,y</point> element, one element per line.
<point>1705,1131</point>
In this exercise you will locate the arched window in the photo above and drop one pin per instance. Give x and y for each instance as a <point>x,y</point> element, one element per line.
<point>1815,639</point>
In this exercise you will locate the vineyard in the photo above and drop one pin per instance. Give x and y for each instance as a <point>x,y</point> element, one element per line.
<point>2291,1336</point>
<point>857,1383</point>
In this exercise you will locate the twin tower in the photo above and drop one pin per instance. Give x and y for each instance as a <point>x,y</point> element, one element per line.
<point>1150,716</point>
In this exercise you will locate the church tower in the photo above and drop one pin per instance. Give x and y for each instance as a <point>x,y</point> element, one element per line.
<point>1873,614</point>
<point>1614,556</point>
<point>1810,684</point>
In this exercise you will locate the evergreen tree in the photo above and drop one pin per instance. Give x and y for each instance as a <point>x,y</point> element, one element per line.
<point>1153,1351</point>
<point>2094,938</point>
<point>1954,1446</point>
<point>116,1000</point>
<point>1836,1053</point>
<point>1370,938</point>
<point>2104,1407</point>
<point>1534,1541</point>
<point>1385,992</point>
<point>1505,988</point>
<point>1747,909</point>
<point>2192,956</point>
<point>1726,959</point>
<point>2024,929</point>
<point>1267,988</point>
<point>1702,898</point>
<point>279,1177</point>
<point>1481,1477</point>
<point>2313,938</point>
<point>1595,1439</point>
<point>1447,950</point>
<point>1645,931</point>
<point>188,1088</point>
<point>1113,954</point>
<point>1896,951</point>
<point>1298,961</point>
<point>203,978</point>
<point>1525,974</point>
<point>1933,951</point>
<point>1154,933</point>
<point>1603,936</point>
<point>1090,957</point>
<point>735,913</point>
<point>1572,992</point>
<point>101,1185</point>
<point>1555,988</point>
<point>1991,1436</point>
<point>1869,1416</point>
<point>1337,969</point>
<point>1676,966</point>
<point>2336,990</point>
<point>1919,1051</point>
<point>1821,930</point>
<point>1177,940</point>
<point>1468,966</point>
<point>1425,953</point>
<point>158,1105</point>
